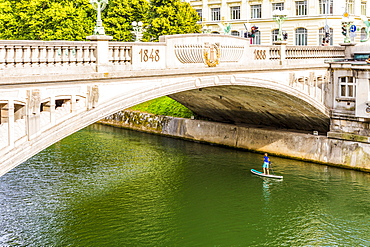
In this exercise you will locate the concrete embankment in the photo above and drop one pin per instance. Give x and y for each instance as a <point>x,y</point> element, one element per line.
<point>302,146</point>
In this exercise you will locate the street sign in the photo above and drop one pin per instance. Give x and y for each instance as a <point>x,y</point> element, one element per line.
<point>352,28</point>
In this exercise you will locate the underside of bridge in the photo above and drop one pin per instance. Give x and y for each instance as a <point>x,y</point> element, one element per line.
<point>254,106</point>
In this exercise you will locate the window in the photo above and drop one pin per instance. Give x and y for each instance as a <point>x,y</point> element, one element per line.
<point>216,14</point>
<point>256,11</point>
<point>301,36</point>
<point>256,40</point>
<point>200,14</point>
<point>279,6</point>
<point>347,87</point>
<point>363,8</point>
<point>327,35</point>
<point>274,35</point>
<point>301,8</point>
<point>349,6</point>
<point>326,7</point>
<point>235,33</point>
<point>235,13</point>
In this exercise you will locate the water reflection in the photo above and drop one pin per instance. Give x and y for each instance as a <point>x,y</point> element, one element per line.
<point>107,186</point>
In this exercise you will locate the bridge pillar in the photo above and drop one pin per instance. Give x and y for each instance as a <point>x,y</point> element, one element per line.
<point>52,109</point>
<point>11,123</point>
<point>102,51</point>
<point>7,116</point>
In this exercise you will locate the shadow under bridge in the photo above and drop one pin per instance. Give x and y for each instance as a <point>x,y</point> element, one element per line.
<point>254,105</point>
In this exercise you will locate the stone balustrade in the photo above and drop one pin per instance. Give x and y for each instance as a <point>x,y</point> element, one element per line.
<point>20,58</point>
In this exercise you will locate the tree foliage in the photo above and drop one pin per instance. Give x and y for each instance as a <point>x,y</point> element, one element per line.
<point>45,19</point>
<point>75,19</point>
<point>171,17</point>
<point>120,14</point>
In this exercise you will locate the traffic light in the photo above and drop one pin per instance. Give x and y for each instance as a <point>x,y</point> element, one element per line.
<point>254,29</point>
<point>344,30</point>
<point>285,36</point>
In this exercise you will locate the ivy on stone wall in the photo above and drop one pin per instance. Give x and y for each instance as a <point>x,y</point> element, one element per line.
<point>164,106</point>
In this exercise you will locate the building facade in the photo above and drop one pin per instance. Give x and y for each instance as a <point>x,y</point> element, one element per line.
<point>307,22</point>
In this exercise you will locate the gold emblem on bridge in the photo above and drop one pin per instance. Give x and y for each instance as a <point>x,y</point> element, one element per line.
<point>211,54</point>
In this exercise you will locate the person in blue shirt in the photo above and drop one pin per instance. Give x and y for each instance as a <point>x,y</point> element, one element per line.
<point>266,164</point>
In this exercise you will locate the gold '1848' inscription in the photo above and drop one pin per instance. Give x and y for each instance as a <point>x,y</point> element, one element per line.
<point>146,55</point>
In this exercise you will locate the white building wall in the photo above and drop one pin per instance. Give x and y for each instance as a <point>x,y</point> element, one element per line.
<point>313,21</point>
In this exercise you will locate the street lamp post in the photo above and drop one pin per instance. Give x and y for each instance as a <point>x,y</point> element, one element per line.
<point>99,6</point>
<point>138,30</point>
<point>279,16</point>
<point>367,29</point>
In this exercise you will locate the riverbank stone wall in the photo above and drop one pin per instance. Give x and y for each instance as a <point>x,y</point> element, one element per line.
<point>284,143</point>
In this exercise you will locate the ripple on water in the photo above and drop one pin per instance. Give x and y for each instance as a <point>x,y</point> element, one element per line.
<point>104,186</point>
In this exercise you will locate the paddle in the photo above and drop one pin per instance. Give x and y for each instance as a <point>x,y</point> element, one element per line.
<point>271,168</point>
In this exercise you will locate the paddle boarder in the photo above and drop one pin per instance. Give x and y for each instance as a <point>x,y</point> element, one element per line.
<point>266,164</point>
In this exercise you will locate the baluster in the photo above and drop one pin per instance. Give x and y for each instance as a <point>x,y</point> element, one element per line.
<point>72,56</point>
<point>43,56</point>
<point>128,55</point>
<point>124,55</point>
<point>86,55</point>
<point>18,49</point>
<point>27,56</point>
<point>116,51</point>
<point>9,56</point>
<point>111,54</point>
<point>65,56</point>
<point>57,56</point>
<point>35,56</point>
<point>79,56</point>
<point>2,56</point>
<point>92,52</point>
<point>50,50</point>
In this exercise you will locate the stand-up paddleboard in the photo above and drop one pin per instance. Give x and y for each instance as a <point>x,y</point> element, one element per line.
<point>265,175</point>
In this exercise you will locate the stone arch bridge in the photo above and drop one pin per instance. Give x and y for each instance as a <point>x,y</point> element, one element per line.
<point>49,90</point>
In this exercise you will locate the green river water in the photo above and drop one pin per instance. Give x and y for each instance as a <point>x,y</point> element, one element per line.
<point>105,186</point>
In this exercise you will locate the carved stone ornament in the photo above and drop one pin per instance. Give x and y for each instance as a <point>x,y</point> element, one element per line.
<point>93,96</point>
<point>211,54</point>
<point>34,101</point>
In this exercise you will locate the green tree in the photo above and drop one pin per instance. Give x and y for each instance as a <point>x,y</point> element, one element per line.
<point>76,19</point>
<point>45,19</point>
<point>168,17</point>
<point>120,14</point>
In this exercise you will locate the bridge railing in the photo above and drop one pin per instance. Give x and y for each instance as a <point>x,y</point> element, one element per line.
<point>272,55</point>
<point>19,57</point>
<point>313,52</point>
<point>24,57</point>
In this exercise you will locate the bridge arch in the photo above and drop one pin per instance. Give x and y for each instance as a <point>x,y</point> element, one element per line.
<point>90,101</point>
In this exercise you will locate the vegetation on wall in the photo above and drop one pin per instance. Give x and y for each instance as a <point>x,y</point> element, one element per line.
<point>164,106</point>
